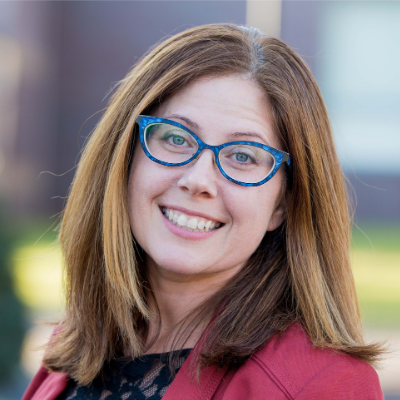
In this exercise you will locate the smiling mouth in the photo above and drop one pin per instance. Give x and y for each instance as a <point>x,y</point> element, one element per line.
<point>194,224</point>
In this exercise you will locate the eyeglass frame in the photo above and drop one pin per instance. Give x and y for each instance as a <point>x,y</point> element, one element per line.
<point>279,156</point>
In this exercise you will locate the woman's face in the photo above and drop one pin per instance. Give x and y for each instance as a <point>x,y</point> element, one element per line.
<point>218,110</point>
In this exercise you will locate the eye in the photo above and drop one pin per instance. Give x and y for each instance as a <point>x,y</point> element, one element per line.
<point>179,140</point>
<point>174,138</point>
<point>241,157</point>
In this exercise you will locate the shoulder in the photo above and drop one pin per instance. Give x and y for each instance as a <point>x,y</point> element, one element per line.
<point>290,365</point>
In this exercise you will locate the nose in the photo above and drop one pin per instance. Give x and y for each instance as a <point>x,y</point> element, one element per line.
<point>200,176</point>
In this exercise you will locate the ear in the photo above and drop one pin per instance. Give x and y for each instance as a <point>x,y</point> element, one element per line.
<point>279,215</point>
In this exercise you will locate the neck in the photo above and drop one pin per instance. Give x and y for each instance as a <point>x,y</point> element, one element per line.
<point>177,296</point>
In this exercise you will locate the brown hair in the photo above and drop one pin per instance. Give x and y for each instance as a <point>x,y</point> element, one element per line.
<point>300,272</point>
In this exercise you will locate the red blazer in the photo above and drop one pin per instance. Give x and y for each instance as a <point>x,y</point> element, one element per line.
<point>287,368</point>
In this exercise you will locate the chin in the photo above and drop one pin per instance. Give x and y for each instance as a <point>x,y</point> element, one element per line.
<point>179,267</point>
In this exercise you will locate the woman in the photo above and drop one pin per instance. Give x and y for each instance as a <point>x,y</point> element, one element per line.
<point>209,212</point>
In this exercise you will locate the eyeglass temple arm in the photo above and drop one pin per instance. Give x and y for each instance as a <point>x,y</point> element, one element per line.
<point>287,159</point>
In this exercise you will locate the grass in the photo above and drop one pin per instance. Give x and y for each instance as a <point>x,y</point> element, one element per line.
<point>375,258</point>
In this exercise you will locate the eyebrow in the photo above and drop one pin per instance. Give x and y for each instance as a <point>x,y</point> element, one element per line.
<point>232,135</point>
<point>191,123</point>
<point>248,134</point>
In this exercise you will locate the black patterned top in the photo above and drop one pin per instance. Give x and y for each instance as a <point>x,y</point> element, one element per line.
<point>144,378</point>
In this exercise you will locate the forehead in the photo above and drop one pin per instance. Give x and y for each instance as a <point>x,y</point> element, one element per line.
<point>222,106</point>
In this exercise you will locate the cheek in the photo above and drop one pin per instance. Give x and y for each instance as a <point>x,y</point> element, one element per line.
<point>147,181</point>
<point>139,190</point>
<point>252,210</point>
<point>145,177</point>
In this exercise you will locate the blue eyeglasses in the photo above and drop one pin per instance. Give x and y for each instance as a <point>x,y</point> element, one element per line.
<point>245,163</point>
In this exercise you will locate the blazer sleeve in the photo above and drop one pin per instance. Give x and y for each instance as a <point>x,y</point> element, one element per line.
<point>45,385</point>
<point>343,381</point>
<point>35,383</point>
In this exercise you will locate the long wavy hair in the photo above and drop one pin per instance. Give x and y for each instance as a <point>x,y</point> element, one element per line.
<point>300,272</point>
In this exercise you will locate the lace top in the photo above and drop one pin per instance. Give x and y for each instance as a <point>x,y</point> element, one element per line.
<point>145,378</point>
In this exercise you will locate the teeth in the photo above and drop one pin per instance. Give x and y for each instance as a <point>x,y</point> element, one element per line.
<point>192,224</point>
<point>182,220</point>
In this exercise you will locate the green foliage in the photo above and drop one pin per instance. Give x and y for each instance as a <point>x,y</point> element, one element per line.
<point>379,237</point>
<point>12,323</point>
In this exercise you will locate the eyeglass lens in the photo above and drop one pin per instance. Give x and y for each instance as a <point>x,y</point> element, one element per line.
<point>244,163</point>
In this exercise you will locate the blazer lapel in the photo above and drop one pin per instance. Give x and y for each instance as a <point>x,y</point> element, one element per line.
<point>186,387</point>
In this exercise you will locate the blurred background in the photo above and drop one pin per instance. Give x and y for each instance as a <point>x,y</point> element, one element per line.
<point>58,63</point>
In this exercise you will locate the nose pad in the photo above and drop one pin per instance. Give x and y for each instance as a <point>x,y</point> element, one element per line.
<point>200,175</point>
<point>206,151</point>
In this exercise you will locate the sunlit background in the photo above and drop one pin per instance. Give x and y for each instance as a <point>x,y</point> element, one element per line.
<point>58,62</point>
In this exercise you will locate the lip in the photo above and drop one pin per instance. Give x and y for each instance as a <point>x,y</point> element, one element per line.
<point>190,213</point>
<point>185,234</point>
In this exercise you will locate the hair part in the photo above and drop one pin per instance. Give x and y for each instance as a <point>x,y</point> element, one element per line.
<point>300,272</point>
